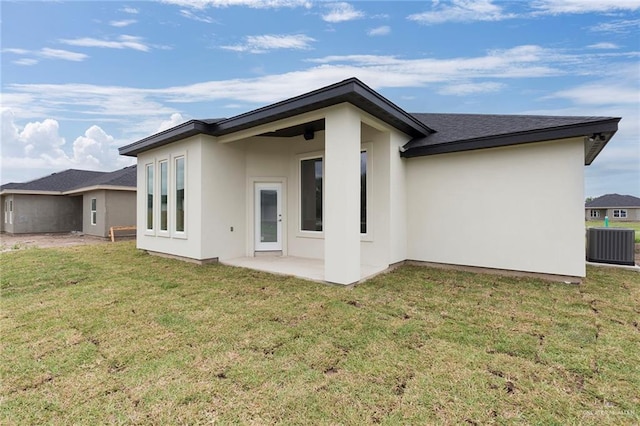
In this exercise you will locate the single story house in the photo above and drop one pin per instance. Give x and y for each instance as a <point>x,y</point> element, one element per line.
<point>343,183</point>
<point>622,208</point>
<point>72,200</point>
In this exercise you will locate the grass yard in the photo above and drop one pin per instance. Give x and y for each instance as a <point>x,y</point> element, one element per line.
<point>630,225</point>
<point>108,334</point>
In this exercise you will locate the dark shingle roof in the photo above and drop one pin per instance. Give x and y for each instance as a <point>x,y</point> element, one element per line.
<point>57,182</point>
<point>614,200</point>
<point>74,179</point>
<point>462,132</point>
<point>122,177</point>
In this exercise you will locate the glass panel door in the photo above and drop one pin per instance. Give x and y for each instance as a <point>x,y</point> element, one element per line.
<point>268,217</point>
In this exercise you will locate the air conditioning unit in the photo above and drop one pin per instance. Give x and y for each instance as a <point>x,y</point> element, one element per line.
<point>611,245</point>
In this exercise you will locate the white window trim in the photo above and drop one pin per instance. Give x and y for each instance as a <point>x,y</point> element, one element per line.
<point>94,213</point>
<point>622,213</point>
<point>158,201</point>
<point>299,231</point>
<point>594,214</point>
<point>172,197</point>
<point>11,212</point>
<point>148,231</point>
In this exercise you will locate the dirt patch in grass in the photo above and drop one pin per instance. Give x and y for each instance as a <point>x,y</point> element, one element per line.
<point>12,242</point>
<point>107,334</point>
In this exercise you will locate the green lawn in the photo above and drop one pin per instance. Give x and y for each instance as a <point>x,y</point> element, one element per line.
<point>630,225</point>
<point>106,334</point>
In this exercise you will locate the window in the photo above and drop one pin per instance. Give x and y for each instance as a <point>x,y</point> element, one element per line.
<point>150,196</point>
<point>595,213</point>
<point>164,195</point>
<point>179,194</point>
<point>311,194</point>
<point>620,213</point>
<point>94,211</point>
<point>10,212</point>
<point>363,192</point>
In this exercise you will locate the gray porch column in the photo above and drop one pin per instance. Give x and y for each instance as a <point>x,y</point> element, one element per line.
<point>342,195</point>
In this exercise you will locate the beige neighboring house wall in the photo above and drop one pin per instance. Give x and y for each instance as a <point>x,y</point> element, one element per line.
<point>512,188</point>
<point>113,208</point>
<point>633,214</point>
<point>42,213</point>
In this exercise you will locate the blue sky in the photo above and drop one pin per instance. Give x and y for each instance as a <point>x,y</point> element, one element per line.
<point>80,79</point>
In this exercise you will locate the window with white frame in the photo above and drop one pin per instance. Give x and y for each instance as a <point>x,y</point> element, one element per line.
<point>10,212</point>
<point>311,171</point>
<point>363,191</point>
<point>6,211</point>
<point>149,191</point>
<point>94,211</point>
<point>164,195</point>
<point>311,193</point>
<point>620,213</point>
<point>595,213</point>
<point>179,193</point>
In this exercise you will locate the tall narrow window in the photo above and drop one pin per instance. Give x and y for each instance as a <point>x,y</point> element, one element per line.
<point>149,196</point>
<point>363,192</point>
<point>179,194</point>
<point>164,194</point>
<point>311,194</point>
<point>94,211</point>
<point>10,211</point>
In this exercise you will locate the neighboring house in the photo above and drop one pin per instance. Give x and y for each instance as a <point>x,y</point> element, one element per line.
<point>343,176</point>
<point>623,208</point>
<point>72,200</point>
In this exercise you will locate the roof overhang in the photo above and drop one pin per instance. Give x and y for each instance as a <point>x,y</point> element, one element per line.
<point>596,135</point>
<point>352,91</point>
<point>28,192</point>
<point>100,188</point>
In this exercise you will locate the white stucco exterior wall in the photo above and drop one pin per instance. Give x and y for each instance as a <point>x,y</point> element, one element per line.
<point>189,243</point>
<point>515,208</point>
<point>342,195</point>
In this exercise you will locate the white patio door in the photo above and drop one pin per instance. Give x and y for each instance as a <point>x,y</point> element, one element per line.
<point>268,217</point>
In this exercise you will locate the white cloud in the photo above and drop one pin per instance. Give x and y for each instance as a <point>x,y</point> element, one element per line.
<point>131,10</point>
<point>379,31</point>
<point>341,12</point>
<point>46,53</point>
<point>200,18</point>
<point>461,11</point>
<point>26,61</point>
<point>267,42</point>
<point>123,42</point>
<point>122,23</point>
<point>556,7</point>
<point>465,89</point>
<point>16,51</point>
<point>254,4</point>
<point>38,149</point>
<point>617,27</point>
<point>604,45</point>
<point>174,120</point>
<point>62,54</point>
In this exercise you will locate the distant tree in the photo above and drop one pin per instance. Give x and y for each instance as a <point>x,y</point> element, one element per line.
<point>588,199</point>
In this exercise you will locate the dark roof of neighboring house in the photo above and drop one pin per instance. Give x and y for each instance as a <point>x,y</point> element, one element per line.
<point>57,182</point>
<point>73,179</point>
<point>613,200</point>
<point>122,177</point>
<point>432,133</point>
